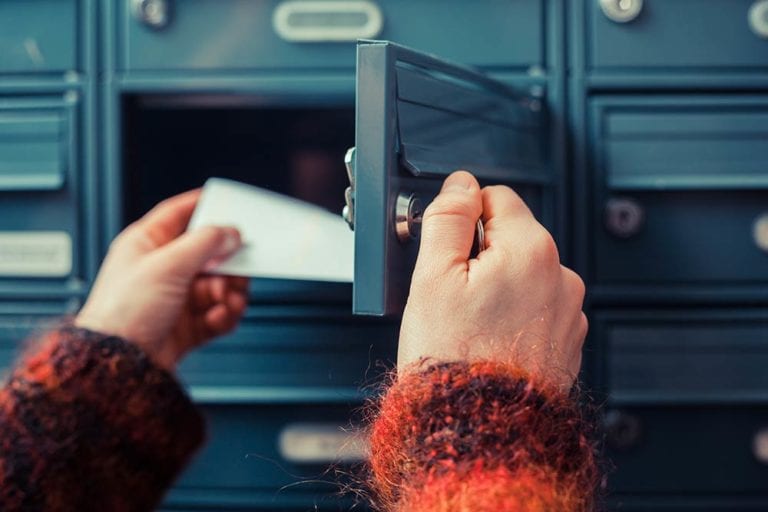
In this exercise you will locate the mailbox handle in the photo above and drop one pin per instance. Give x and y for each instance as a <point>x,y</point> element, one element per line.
<point>321,443</point>
<point>327,21</point>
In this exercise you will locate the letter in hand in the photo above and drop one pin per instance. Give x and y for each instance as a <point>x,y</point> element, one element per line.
<point>150,289</point>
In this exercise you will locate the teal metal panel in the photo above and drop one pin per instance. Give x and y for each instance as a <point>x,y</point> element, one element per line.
<point>237,35</point>
<point>244,450</point>
<point>683,503</point>
<point>38,36</point>
<point>675,357</point>
<point>230,500</point>
<point>677,35</point>
<point>690,451</point>
<point>291,353</point>
<point>40,193</point>
<point>34,147</point>
<point>696,167</point>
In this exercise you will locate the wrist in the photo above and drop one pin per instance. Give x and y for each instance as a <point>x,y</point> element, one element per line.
<point>160,354</point>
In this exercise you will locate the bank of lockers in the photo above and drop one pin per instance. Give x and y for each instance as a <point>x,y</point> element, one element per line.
<point>635,128</point>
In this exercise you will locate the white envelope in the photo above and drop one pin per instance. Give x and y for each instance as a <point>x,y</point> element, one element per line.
<point>283,237</point>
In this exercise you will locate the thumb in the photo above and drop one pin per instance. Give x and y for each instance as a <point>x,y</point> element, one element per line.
<point>188,254</point>
<point>448,227</point>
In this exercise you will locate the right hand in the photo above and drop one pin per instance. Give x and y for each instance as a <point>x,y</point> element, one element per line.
<point>514,303</point>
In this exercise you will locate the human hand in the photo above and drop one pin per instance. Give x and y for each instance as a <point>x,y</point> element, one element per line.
<point>149,290</point>
<point>514,303</point>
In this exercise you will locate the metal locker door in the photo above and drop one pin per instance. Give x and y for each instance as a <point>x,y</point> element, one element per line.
<point>420,118</point>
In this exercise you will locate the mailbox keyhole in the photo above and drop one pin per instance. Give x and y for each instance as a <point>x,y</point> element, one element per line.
<point>624,217</point>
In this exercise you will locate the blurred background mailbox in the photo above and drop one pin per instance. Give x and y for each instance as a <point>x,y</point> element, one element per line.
<point>635,129</point>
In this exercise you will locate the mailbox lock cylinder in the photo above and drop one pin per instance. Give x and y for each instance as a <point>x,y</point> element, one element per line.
<point>154,14</point>
<point>408,215</point>
<point>624,217</point>
<point>621,11</point>
<point>623,431</point>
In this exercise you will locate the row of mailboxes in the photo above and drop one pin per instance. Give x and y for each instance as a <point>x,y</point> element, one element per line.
<point>618,34</point>
<point>679,193</point>
<point>43,237</point>
<point>152,35</point>
<point>674,204</point>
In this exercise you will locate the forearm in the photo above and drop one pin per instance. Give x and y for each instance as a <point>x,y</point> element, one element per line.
<point>480,437</point>
<point>88,422</point>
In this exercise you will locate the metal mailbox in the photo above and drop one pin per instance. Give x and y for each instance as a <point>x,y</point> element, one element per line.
<point>682,193</point>
<point>39,36</point>
<point>678,34</point>
<point>315,351</point>
<point>235,35</point>
<point>418,119</point>
<point>40,223</point>
<point>673,357</point>
<point>249,447</point>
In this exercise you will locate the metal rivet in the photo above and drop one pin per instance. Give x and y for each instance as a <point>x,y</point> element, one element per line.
<point>624,217</point>
<point>758,18</point>
<point>760,232</point>
<point>408,214</point>
<point>621,11</point>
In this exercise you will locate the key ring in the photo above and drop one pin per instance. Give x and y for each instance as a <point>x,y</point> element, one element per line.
<point>479,245</point>
<point>480,236</point>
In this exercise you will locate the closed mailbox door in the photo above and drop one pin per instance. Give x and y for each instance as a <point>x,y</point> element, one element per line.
<point>418,119</point>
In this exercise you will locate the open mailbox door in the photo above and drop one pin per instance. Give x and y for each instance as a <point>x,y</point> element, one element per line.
<point>419,119</point>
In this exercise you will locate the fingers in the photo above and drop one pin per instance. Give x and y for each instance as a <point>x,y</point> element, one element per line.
<point>188,255</point>
<point>573,288</point>
<point>169,219</point>
<point>207,291</point>
<point>502,201</point>
<point>503,208</point>
<point>573,324</point>
<point>224,316</point>
<point>216,312</point>
<point>448,228</point>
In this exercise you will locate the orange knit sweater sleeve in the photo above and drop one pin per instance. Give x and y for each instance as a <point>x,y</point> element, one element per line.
<point>457,437</point>
<point>88,422</point>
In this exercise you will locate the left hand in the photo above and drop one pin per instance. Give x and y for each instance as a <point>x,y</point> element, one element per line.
<point>149,290</point>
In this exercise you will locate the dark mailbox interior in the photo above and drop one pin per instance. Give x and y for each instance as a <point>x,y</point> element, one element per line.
<point>173,144</point>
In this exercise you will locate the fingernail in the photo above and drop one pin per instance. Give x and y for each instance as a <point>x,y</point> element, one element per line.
<point>458,182</point>
<point>231,241</point>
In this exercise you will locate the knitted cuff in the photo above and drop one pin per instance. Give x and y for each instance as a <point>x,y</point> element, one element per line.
<point>84,407</point>
<point>480,436</point>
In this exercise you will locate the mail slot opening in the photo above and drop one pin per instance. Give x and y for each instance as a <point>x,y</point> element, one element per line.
<point>175,143</point>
